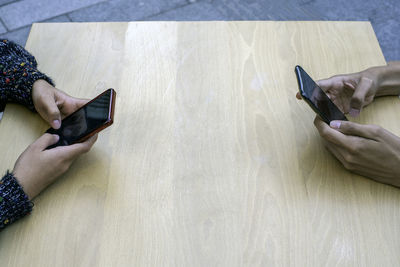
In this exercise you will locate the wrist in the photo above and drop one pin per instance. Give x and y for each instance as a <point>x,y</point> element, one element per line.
<point>25,184</point>
<point>14,202</point>
<point>38,87</point>
<point>388,79</point>
<point>38,84</point>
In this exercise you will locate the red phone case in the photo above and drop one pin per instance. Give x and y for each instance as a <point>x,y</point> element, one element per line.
<point>109,121</point>
<point>110,115</point>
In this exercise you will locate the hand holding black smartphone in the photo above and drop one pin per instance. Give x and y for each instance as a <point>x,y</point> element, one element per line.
<point>90,119</point>
<point>316,98</point>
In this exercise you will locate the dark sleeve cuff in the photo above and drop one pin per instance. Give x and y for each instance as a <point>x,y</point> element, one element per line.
<point>18,72</point>
<point>14,203</point>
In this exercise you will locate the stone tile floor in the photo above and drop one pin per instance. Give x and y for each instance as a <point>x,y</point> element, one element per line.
<point>16,16</point>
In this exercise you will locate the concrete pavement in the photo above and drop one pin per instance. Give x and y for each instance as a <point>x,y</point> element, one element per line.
<point>16,16</point>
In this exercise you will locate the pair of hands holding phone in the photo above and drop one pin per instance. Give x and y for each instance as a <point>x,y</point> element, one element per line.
<point>368,150</point>
<point>37,167</point>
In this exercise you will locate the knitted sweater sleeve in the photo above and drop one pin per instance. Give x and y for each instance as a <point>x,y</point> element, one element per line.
<point>18,72</point>
<point>14,203</point>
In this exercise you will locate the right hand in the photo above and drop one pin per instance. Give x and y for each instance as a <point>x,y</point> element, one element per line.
<point>351,92</point>
<point>52,104</point>
<point>367,150</point>
<point>36,167</point>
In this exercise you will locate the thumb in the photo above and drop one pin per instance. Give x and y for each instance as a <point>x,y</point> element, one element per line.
<point>358,98</point>
<point>352,128</point>
<point>50,111</point>
<point>45,141</point>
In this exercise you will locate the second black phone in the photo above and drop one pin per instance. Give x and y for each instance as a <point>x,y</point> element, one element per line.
<point>316,98</point>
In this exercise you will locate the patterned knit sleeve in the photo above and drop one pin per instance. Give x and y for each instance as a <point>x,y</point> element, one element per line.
<point>14,203</point>
<point>18,72</point>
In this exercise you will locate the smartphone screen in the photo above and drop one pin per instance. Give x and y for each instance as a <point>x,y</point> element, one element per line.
<point>316,97</point>
<point>89,119</point>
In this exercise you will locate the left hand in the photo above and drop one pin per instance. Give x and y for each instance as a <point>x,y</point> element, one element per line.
<point>53,104</point>
<point>352,92</point>
<point>38,167</point>
<point>368,150</point>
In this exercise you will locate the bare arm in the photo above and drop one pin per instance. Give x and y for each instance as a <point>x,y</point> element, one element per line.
<point>389,79</point>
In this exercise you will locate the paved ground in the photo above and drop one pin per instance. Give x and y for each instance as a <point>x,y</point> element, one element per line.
<point>16,17</point>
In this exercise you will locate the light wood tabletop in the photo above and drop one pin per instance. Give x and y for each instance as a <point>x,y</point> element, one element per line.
<point>211,160</point>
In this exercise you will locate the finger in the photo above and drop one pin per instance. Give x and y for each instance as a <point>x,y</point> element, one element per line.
<point>73,104</point>
<point>50,111</point>
<point>354,167</point>
<point>358,98</point>
<point>45,141</point>
<point>325,84</point>
<point>298,96</point>
<point>355,129</point>
<point>328,84</point>
<point>68,104</point>
<point>92,140</point>
<point>331,135</point>
<point>79,102</point>
<point>73,151</point>
<point>350,85</point>
<point>336,151</point>
<point>339,153</point>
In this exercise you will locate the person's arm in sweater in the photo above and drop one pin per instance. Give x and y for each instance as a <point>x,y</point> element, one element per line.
<point>18,72</point>
<point>22,82</point>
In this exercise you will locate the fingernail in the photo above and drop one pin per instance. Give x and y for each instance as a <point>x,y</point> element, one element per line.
<point>354,112</point>
<point>335,124</point>
<point>56,124</point>
<point>349,85</point>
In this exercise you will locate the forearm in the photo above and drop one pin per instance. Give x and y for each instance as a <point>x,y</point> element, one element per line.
<point>389,78</point>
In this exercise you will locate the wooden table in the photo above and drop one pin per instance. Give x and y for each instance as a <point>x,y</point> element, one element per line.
<point>211,160</point>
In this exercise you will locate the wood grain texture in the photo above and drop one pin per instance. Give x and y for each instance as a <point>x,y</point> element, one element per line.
<point>211,160</point>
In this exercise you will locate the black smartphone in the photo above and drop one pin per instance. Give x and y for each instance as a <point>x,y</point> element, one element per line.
<point>90,119</point>
<point>316,98</point>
